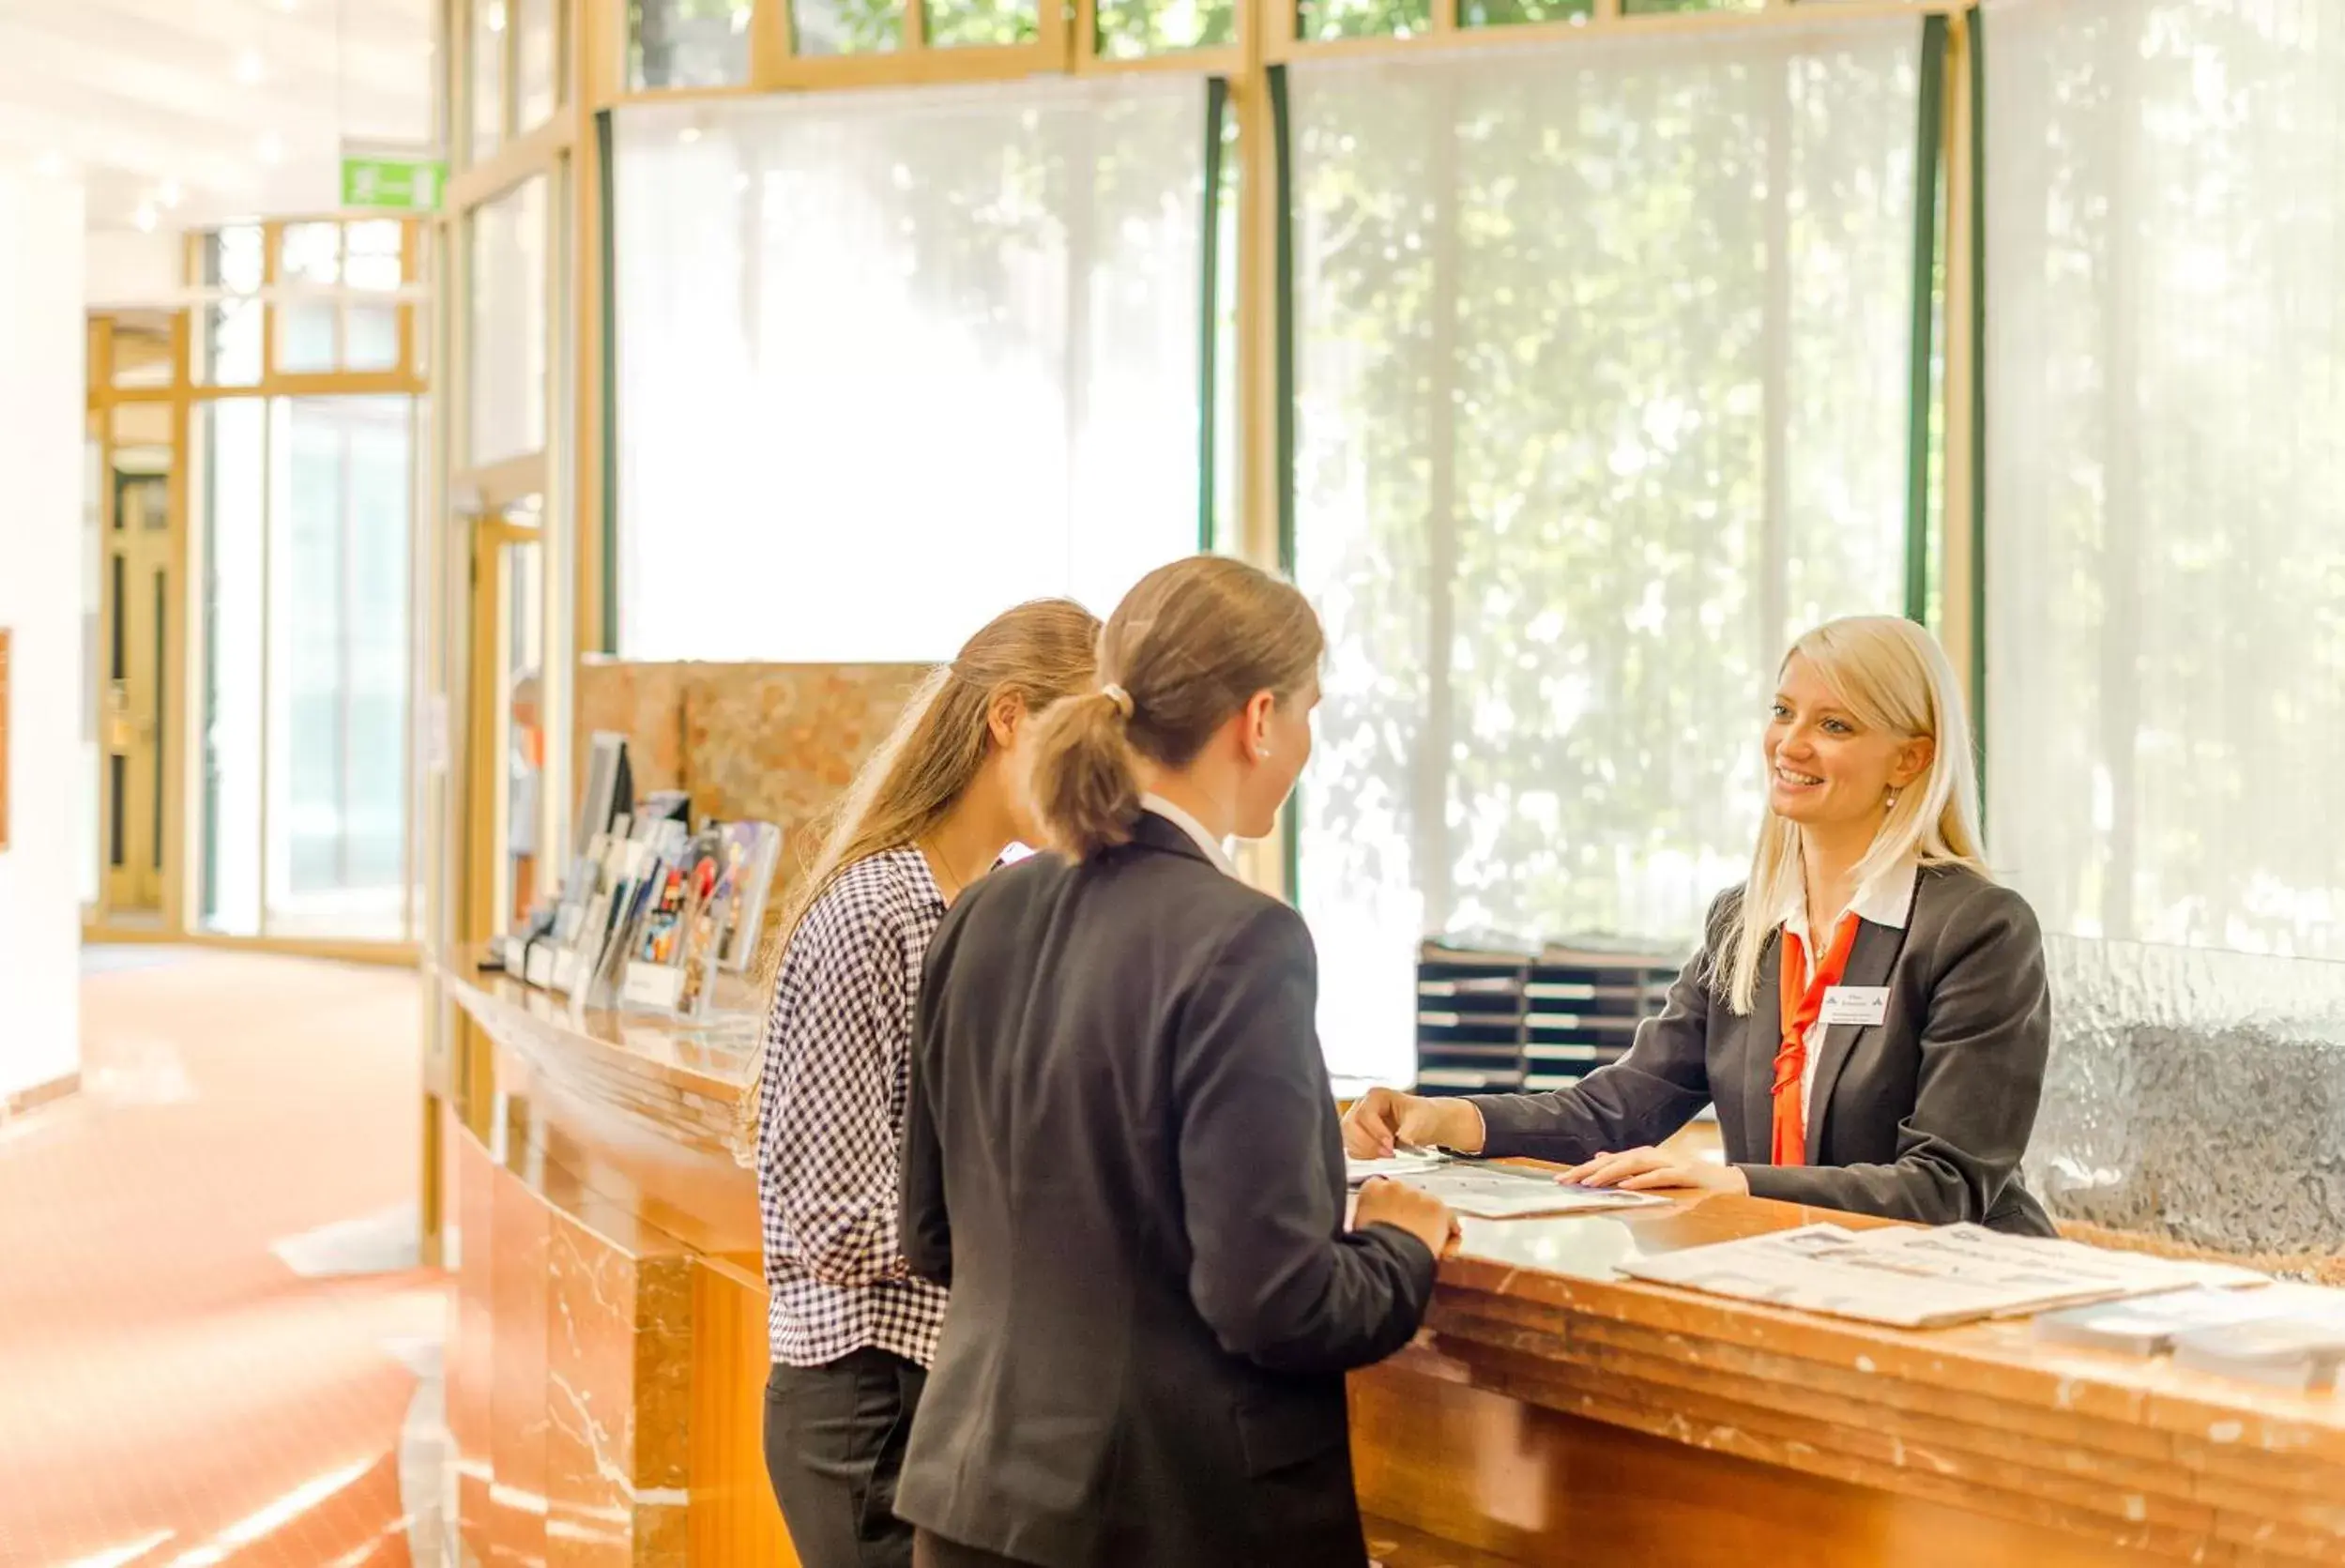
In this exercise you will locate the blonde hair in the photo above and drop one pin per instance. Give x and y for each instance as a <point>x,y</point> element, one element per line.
<point>1037,653</point>
<point>1190,645</point>
<point>1894,678</point>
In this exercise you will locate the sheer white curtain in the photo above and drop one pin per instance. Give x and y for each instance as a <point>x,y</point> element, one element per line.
<point>1602,364</point>
<point>2165,495</point>
<point>892,361</point>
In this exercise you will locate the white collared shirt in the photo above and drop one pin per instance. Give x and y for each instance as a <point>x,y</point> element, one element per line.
<point>1191,826</point>
<point>1883,901</point>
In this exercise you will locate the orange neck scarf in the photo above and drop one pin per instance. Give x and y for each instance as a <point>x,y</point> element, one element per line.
<point>1802,998</point>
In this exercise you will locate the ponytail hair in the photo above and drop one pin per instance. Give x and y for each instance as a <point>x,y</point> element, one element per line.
<point>1036,654</point>
<point>1190,645</point>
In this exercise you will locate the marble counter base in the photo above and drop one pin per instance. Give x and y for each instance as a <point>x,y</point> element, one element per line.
<point>603,1381</point>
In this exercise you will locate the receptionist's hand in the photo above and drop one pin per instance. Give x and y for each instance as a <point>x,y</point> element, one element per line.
<point>1382,1118</point>
<point>1640,1170</point>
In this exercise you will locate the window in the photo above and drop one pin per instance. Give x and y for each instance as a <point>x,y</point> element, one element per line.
<point>688,43</point>
<point>2165,483</point>
<point>307,511</point>
<point>510,265</point>
<point>953,329</point>
<point>1602,362</point>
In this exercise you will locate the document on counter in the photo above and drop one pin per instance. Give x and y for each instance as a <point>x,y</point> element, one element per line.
<point>1911,1277</point>
<point>1488,1192</point>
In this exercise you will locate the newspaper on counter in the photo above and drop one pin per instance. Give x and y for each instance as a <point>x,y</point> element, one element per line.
<point>1913,1278</point>
<point>1488,1192</point>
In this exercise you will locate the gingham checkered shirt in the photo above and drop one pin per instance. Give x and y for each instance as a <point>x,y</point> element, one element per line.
<point>831,1119</point>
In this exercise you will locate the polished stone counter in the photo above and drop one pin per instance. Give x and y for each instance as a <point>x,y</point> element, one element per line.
<point>616,1320</point>
<point>681,1080</point>
<point>1961,1444</point>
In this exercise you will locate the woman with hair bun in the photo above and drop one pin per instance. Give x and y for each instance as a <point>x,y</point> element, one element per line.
<point>1121,1150</point>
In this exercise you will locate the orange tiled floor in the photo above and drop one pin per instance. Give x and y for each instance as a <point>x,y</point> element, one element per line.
<point>172,1394</point>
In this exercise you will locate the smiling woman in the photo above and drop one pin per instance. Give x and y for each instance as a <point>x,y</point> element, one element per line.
<point>1893,1067</point>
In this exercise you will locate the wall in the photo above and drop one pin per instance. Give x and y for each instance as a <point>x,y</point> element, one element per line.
<point>773,742</point>
<point>41,393</point>
<point>124,267</point>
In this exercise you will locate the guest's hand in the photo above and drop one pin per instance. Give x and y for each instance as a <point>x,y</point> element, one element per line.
<point>1640,1170</point>
<point>1405,1207</point>
<point>1383,1119</point>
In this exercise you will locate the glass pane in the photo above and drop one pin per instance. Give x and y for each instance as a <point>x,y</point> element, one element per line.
<point>228,347</point>
<point>1505,13</point>
<point>1362,18</point>
<point>141,348</point>
<point>371,260</point>
<point>509,325</point>
<point>311,253</point>
<point>140,709</point>
<point>1129,29</point>
<point>1601,398</point>
<point>488,77</point>
<point>229,437</point>
<point>953,23</point>
<point>536,39</point>
<point>1027,297</point>
<point>847,26</point>
<point>371,338</point>
<point>1664,7</point>
<point>687,43</point>
<point>2166,499</point>
<point>93,658</point>
<point>337,667</point>
<point>305,336</point>
<point>232,259</point>
<point>521,723</point>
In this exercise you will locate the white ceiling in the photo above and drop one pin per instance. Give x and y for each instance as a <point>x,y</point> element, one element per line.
<point>183,113</point>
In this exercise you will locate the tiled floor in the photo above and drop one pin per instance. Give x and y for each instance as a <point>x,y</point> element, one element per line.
<point>172,1392</point>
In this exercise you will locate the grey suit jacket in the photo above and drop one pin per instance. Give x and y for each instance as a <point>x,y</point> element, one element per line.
<point>1921,1116</point>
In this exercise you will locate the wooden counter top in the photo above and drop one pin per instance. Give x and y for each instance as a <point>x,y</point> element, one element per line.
<point>2125,1453</point>
<point>684,1080</point>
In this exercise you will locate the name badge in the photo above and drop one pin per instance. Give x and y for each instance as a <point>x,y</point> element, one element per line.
<point>1854,1004</point>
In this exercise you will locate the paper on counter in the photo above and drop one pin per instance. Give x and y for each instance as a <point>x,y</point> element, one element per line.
<point>1485,1192</point>
<point>1916,1278</point>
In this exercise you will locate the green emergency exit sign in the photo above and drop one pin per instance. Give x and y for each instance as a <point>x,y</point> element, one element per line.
<point>393,184</point>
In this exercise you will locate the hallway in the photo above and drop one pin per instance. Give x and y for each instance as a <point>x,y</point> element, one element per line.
<point>211,1327</point>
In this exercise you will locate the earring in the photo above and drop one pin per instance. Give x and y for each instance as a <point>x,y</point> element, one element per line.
<point>1893,799</point>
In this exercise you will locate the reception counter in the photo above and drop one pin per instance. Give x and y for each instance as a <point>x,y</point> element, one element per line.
<point>605,1377</point>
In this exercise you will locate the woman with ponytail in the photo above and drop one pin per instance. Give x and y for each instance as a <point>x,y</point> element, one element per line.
<point>851,1330</point>
<point>1122,1148</point>
<point>1868,1013</point>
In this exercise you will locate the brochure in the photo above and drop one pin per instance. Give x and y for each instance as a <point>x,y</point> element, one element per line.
<point>1913,1277</point>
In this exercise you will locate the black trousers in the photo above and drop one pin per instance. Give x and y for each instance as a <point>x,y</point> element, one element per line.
<point>834,1446</point>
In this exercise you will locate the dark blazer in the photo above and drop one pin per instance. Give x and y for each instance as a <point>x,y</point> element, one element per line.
<point>1122,1153</point>
<point>1921,1116</point>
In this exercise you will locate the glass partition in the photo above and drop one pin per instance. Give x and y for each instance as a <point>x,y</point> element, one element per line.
<point>1602,376</point>
<point>956,327</point>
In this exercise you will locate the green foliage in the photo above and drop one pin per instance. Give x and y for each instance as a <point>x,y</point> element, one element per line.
<point>1601,399</point>
<point>959,24</point>
<point>1131,29</point>
<point>1507,13</point>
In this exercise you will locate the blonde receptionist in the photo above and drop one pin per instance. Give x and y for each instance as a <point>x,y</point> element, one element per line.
<point>1868,1013</point>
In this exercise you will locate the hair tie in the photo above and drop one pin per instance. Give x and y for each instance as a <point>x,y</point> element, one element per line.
<point>1121,698</point>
